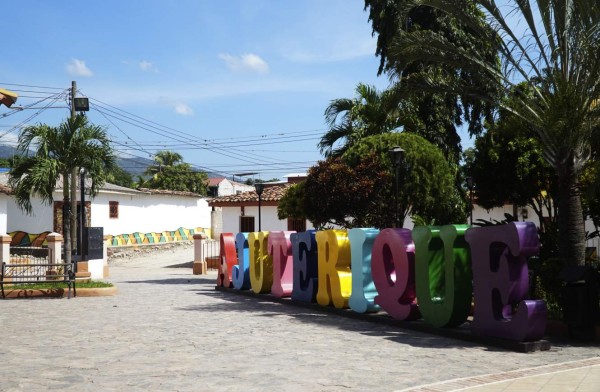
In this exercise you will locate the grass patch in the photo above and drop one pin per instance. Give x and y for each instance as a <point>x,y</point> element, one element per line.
<point>94,284</point>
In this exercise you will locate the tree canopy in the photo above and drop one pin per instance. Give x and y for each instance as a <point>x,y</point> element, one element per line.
<point>553,48</point>
<point>58,151</point>
<point>433,114</point>
<point>359,186</point>
<point>170,173</point>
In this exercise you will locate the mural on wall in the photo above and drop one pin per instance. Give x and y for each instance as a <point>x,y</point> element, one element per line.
<point>180,234</point>
<point>448,268</point>
<point>21,238</point>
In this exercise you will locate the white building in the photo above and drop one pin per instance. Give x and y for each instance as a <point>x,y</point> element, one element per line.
<point>240,213</point>
<point>221,186</point>
<point>117,209</point>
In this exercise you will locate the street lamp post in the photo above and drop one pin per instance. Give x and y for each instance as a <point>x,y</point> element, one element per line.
<point>260,187</point>
<point>396,156</point>
<point>470,186</point>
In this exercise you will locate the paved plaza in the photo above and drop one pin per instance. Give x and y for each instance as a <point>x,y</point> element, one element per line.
<point>169,330</point>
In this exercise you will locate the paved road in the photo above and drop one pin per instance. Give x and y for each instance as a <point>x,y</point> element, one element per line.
<point>168,330</point>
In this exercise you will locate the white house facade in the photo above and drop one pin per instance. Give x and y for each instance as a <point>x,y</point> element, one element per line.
<point>117,209</point>
<point>240,213</point>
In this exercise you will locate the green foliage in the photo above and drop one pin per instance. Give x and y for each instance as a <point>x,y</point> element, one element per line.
<point>433,114</point>
<point>120,177</point>
<point>179,178</point>
<point>58,150</point>
<point>163,159</point>
<point>558,61</point>
<point>93,284</point>
<point>170,173</point>
<point>252,181</point>
<point>371,112</point>
<point>357,189</point>
<point>338,193</point>
<point>291,204</point>
<point>427,181</point>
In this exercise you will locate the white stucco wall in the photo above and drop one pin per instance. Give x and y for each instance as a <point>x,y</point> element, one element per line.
<point>150,213</point>
<point>137,213</point>
<point>40,220</point>
<point>268,217</point>
<point>4,200</point>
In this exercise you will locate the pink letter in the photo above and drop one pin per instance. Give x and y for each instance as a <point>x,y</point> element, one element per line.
<point>393,267</point>
<point>280,249</point>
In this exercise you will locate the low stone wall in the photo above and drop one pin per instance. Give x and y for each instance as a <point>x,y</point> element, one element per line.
<point>128,252</point>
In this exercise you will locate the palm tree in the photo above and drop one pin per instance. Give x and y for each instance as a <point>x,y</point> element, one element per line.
<point>553,47</point>
<point>57,151</point>
<point>370,113</point>
<point>163,159</point>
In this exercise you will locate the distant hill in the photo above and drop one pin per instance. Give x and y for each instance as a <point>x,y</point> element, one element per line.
<point>136,166</point>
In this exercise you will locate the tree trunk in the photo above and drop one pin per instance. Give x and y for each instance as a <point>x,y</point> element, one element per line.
<point>571,225</point>
<point>66,218</point>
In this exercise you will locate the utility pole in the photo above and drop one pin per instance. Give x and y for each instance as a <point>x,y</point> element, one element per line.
<point>70,200</point>
<point>73,177</point>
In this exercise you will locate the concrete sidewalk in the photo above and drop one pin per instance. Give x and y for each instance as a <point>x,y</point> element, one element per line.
<point>169,330</point>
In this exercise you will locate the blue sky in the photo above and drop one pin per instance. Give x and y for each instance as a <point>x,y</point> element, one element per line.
<point>234,86</point>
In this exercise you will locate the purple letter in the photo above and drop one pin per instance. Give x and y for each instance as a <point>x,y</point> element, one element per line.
<point>500,282</point>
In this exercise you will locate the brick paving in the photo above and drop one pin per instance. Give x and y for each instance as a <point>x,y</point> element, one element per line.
<point>169,330</point>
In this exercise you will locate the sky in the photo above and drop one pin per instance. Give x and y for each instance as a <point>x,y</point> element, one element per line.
<point>237,86</point>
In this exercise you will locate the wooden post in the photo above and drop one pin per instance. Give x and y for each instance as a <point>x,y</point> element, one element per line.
<point>199,266</point>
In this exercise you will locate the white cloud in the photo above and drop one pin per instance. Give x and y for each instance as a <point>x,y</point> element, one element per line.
<point>246,62</point>
<point>78,68</point>
<point>183,109</point>
<point>147,66</point>
<point>179,107</point>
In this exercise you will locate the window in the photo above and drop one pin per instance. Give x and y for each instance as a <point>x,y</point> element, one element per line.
<point>113,209</point>
<point>295,224</point>
<point>246,224</point>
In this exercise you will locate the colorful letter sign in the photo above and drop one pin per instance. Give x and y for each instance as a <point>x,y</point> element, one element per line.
<point>443,274</point>
<point>448,268</point>
<point>304,250</point>
<point>363,294</point>
<point>393,267</point>
<point>241,272</point>
<point>501,282</point>
<point>280,249</point>
<point>227,259</point>
<point>261,264</point>
<point>335,278</point>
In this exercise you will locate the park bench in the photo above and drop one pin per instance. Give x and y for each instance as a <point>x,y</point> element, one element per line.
<point>36,273</point>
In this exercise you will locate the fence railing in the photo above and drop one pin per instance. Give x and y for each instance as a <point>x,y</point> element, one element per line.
<point>28,255</point>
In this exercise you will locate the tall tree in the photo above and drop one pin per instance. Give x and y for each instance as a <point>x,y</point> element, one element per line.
<point>164,159</point>
<point>74,144</point>
<point>359,186</point>
<point>179,177</point>
<point>349,120</point>
<point>435,115</point>
<point>556,42</point>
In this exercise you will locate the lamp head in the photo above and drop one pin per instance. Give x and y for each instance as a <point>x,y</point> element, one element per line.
<point>259,187</point>
<point>396,155</point>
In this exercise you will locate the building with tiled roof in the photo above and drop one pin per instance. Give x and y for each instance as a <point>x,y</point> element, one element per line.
<point>240,213</point>
<point>119,210</point>
<point>221,186</point>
